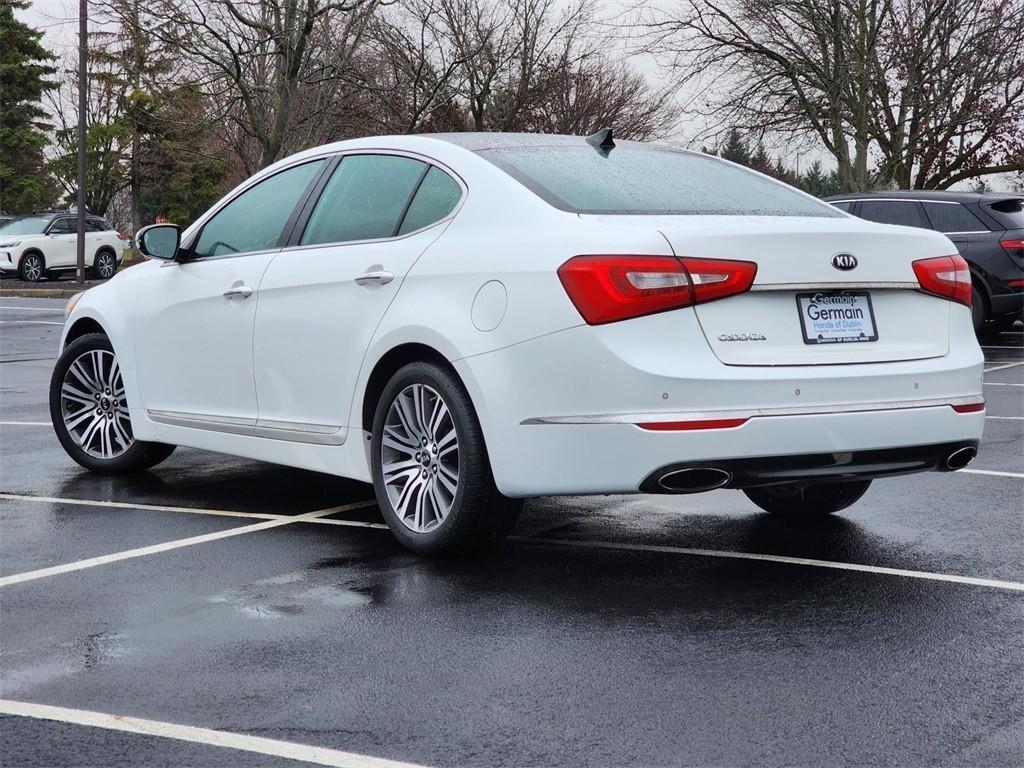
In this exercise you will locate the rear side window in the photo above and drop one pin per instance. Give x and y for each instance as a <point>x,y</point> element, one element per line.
<point>63,226</point>
<point>364,199</point>
<point>1009,213</point>
<point>953,218</point>
<point>634,179</point>
<point>255,220</point>
<point>436,198</point>
<point>905,212</point>
<point>843,206</point>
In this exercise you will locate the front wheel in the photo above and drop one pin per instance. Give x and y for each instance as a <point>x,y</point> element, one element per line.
<point>431,473</point>
<point>808,499</point>
<point>90,413</point>
<point>32,268</point>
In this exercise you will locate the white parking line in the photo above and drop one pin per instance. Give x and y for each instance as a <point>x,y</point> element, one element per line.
<point>1002,384</point>
<point>993,472</point>
<point>26,424</point>
<point>285,749</point>
<point>149,507</point>
<point>1003,367</point>
<point>153,549</point>
<point>1007,418</point>
<point>32,322</point>
<point>198,511</point>
<point>1014,586</point>
<point>318,518</point>
<point>55,310</point>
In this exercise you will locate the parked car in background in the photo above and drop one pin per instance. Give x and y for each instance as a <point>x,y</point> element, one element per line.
<point>45,245</point>
<point>987,229</point>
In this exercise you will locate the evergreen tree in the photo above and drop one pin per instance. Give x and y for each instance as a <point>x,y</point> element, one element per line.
<point>24,73</point>
<point>735,148</point>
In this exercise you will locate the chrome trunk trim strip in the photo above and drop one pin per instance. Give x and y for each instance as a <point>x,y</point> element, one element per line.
<point>660,417</point>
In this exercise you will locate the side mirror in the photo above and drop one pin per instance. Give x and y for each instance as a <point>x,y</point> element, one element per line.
<point>159,241</point>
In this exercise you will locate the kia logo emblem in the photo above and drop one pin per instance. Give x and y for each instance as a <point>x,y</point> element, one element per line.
<point>844,261</point>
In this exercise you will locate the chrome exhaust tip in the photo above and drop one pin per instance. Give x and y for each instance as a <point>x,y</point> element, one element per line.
<point>961,458</point>
<point>694,479</point>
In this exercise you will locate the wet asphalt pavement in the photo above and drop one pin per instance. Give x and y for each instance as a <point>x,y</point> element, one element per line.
<point>595,637</point>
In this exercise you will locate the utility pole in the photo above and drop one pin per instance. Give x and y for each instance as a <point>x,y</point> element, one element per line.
<point>83,61</point>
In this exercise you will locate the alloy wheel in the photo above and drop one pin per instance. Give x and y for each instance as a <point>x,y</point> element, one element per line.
<point>105,265</point>
<point>93,405</point>
<point>420,458</point>
<point>33,268</point>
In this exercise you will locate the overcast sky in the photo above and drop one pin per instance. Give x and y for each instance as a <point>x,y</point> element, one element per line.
<point>59,21</point>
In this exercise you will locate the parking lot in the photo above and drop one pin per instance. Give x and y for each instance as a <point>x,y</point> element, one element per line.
<point>218,611</point>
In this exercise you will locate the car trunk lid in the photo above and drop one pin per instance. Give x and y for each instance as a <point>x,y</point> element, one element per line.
<point>804,265</point>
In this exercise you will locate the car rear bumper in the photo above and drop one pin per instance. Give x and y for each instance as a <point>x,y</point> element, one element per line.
<point>693,477</point>
<point>560,413</point>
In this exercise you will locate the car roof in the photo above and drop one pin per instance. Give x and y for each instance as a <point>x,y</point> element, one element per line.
<point>481,140</point>
<point>927,194</point>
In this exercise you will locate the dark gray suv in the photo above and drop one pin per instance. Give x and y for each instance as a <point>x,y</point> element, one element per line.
<point>987,229</point>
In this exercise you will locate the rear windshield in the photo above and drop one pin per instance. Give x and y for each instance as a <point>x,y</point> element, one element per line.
<point>1009,213</point>
<point>647,180</point>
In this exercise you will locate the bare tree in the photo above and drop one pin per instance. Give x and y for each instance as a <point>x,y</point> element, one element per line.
<point>528,65</point>
<point>259,57</point>
<point>920,93</point>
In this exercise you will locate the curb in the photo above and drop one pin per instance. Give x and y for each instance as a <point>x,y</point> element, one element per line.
<point>39,293</point>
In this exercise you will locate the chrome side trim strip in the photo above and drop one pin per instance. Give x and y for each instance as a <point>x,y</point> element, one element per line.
<point>316,434</point>
<point>660,417</point>
<point>852,286</point>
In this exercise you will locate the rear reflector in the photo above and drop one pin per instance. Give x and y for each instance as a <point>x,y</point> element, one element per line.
<point>606,289</point>
<point>945,276</point>
<point>1015,283</point>
<point>970,407</point>
<point>674,426</point>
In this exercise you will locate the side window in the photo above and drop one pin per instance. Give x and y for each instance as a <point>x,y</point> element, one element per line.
<point>953,218</point>
<point>436,198</point>
<point>843,206</point>
<point>905,212</point>
<point>255,219</point>
<point>364,199</point>
<point>63,226</point>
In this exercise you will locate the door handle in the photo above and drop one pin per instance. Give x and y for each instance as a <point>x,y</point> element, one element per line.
<point>379,276</point>
<point>238,292</point>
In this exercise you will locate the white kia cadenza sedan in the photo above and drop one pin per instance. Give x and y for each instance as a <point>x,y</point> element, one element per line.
<point>468,320</point>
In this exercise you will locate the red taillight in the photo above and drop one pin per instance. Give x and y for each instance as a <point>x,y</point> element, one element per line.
<point>674,426</point>
<point>969,407</point>
<point>1013,245</point>
<point>946,276</point>
<point>609,288</point>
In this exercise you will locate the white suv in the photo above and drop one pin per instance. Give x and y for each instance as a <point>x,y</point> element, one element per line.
<point>45,245</point>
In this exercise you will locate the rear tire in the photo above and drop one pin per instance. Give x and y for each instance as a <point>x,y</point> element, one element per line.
<point>90,413</point>
<point>105,264</point>
<point>979,311</point>
<point>431,473</point>
<point>808,499</point>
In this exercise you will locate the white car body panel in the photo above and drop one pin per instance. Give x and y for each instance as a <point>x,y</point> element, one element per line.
<point>285,371</point>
